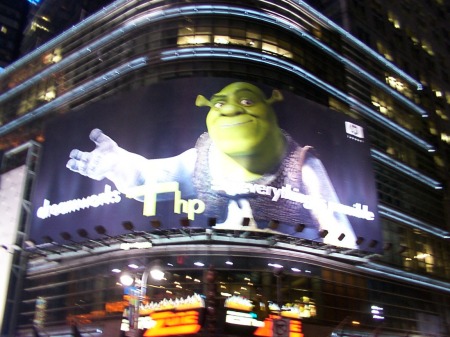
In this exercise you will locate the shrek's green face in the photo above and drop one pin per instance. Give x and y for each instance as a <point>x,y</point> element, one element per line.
<point>241,120</point>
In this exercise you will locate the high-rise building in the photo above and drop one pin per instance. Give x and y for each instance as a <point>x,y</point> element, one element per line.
<point>404,34</point>
<point>13,18</point>
<point>49,18</point>
<point>314,201</point>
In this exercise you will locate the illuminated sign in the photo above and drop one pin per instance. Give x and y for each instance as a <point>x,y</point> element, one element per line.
<point>239,303</point>
<point>174,323</point>
<point>181,316</point>
<point>212,148</point>
<point>272,326</point>
<point>243,318</point>
<point>377,312</point>
<point>280,327</point>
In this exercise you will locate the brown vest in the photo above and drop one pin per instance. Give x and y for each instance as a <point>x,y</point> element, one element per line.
<point>263,207</point>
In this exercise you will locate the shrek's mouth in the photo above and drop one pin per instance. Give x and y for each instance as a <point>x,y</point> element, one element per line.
<point>229,125</point>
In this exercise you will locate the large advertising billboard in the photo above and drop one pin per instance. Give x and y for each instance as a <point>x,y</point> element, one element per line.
<point>248,156</point>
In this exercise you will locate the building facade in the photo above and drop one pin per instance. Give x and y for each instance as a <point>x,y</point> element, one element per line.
<point>393,285</point>
<point>50,18</point>
<point>12,22</point>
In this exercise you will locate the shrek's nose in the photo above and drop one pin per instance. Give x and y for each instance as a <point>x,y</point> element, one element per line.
<point>231,110</point>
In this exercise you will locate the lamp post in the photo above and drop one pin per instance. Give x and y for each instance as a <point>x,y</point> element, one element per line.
<point>278,273</point>
<point>129,281</point>
<point>211,296</point>
<point>155,271</point>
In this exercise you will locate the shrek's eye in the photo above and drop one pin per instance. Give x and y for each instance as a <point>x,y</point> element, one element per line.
<point>218,105</point>
<point>246,102</point>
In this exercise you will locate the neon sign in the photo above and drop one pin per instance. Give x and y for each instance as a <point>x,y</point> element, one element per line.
<point>174,323</point>
<point>167,317</point>
<point>275,326</point>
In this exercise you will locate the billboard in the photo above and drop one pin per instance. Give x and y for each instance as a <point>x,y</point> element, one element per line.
<point>248,156</point>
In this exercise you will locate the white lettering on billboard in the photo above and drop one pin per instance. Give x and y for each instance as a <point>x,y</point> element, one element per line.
<point>107,197</point>
<point>196,206</point>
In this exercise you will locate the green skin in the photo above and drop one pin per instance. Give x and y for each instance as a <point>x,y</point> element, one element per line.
<point>243,126</point>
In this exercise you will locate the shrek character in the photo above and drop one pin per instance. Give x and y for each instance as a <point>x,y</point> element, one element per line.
<point>239,168</point>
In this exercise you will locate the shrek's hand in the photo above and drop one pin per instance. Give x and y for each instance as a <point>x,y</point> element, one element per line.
<point>107,160</point>
<point>100,161</point>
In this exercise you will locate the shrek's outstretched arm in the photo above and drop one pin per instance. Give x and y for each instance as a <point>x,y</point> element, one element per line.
<point>126,169</point>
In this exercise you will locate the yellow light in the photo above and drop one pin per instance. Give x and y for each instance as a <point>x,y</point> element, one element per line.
<point>421,256</point>
<point>56,58</point>
<point>49,95</point>
<point>221,39</point>
<point>197,39</point>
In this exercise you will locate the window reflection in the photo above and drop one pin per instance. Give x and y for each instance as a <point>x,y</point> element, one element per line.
<point>189,36</point>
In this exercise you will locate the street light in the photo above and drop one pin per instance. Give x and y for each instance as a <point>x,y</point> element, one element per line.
<point>154,270</point>
<point>157,274</point>
<point>126,279</point>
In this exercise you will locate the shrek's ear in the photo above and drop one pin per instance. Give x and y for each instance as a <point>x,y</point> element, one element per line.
<point>277,96</point>
<point>202,101</point>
